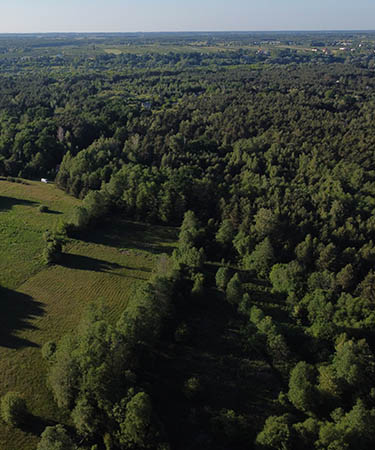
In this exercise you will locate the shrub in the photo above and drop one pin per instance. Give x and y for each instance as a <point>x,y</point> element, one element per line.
<point>48,350</point>
<point>13,408</point>
<point>53,249</point>
<point>43,208</point>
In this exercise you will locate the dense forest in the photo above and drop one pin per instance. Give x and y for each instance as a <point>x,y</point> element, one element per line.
<point>263,154</point>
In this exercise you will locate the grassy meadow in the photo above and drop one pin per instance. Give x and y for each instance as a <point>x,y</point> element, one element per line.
<point>22,226</point>
<point>42,303</point>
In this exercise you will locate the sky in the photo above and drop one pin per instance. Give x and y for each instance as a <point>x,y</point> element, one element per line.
<point>36,16</point>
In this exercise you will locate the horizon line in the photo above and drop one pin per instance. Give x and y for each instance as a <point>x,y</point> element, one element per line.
<point>346,30</point>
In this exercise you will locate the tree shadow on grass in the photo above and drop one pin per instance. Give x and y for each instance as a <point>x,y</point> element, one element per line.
<point>52,211</point>
<point>17,311</point>
<point>36,425</point>
<point>81,262</point>
<point>7,203</point>
<point>133,235</point>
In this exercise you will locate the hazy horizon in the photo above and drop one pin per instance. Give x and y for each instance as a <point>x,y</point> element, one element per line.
<point>54,16</point>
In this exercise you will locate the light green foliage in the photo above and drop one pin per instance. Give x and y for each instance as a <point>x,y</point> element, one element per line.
<point>367,287</point>
<point>222,277</point>
<point>13,409</point>
<point>256,315</point>
<point>242,243</point>
<point>64,372</point>
<point>276,433</point>
<point>354,429</point>
<point>261,259</point>
<point>55,438</point>
<point>286,278</point>
<point>354,363</point>
<point>190,230</point>
<point>190,256</point>
<point>307,433</point>
<point>329,385</point>
<point>324,280</point>
<point>48,350</point>
<point>345,278</point>
<point>302,392</point>
<point>79,218</point>
<point>225,234</point>
<point>85,419</point>
<point>187,253</point>
<point>138,428</point>
<point>320,314</point>
<point>266,223</point>
<point>198,286</point>
<point>96,204</point>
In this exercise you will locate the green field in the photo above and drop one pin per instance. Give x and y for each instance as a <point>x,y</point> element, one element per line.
<point>49,301</point>
<point>22,227</point>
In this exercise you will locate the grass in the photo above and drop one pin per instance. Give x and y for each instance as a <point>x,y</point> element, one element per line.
<point>49,301</point>
<point>22,226</point>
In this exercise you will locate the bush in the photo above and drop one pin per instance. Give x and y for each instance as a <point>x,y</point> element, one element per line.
<point>13,409</point>
<point>43,208</point>
<point>53,249</point>
<point>48,350</point>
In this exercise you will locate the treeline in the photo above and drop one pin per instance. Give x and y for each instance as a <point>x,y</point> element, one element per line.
<point>100,373</point>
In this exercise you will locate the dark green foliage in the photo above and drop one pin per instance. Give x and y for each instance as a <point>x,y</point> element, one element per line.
<point>234,290</point>
<point>225,235</point>
<point>139,429</point>
<point>270,145</point>
<point>53,249</point>
<point>261,259</point>
<point>302,393</point>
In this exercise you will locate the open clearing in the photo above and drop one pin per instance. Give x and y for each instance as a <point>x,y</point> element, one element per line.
<point>22,226</point>
<point>50,301</point>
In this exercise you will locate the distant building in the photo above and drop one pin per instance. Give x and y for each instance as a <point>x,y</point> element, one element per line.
<point>44,180</point>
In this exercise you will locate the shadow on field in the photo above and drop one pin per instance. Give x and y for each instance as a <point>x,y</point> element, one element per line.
<point>52,211</point>
<point>86,263</point>
<point>133,235</point>
<point>17,310</point>
<point>36,425</point>
<point>7,203</point>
